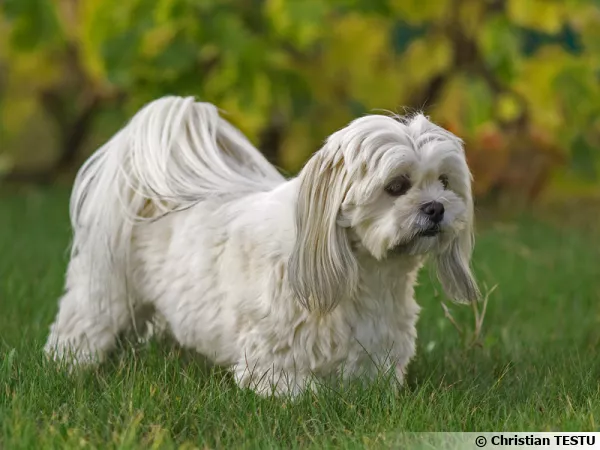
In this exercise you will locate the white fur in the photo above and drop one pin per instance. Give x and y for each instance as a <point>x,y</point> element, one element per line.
<point>283,281</point>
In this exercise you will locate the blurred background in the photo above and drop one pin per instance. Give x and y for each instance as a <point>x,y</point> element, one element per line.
<point>518,80</point>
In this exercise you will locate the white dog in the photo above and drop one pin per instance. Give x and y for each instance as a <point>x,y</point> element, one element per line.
<point>285,282</point>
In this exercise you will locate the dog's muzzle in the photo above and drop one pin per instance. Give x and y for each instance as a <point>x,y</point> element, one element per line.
<point>433,230</point>
<point>434,211</point>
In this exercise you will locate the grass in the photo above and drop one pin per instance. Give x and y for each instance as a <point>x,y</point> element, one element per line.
<point>537,367</point>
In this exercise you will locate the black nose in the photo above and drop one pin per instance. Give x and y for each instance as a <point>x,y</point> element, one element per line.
<point>434,210</point>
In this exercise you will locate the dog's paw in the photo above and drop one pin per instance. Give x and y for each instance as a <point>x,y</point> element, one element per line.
<point>71,354</point>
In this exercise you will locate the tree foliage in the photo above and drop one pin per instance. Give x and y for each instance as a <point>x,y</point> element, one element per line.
<point>517,79</point>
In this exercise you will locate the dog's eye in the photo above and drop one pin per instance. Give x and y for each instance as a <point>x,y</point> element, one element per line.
<point>398,186</point>
<point>444,181</point>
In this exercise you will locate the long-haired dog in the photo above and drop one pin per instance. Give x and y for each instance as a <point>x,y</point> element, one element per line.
<point>285,282</point>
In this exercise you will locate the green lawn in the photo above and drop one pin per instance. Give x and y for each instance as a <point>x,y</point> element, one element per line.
<point>538,367</point>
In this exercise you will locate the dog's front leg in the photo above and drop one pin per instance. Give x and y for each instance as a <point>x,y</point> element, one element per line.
<point>402,359</point>
<point>270,381</point>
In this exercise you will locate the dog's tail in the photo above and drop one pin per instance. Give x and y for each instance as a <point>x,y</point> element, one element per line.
<point>173,153</point>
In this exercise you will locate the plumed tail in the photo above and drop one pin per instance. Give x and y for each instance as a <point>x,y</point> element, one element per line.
<point>173,153</point>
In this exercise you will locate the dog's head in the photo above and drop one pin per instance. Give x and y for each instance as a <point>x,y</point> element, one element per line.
<point>393,185</point>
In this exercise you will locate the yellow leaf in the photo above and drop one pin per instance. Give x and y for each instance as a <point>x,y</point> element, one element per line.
<point>99,20</point>
<point>536,85</point>
<point>250,120</point>
<point>156,40</point>
<point>16,111</point>
<point>36,70</point>
<point>581,12</point>
<point>426,58</point>
<point>276,12</point>
<point>419,11</point>
<point>471,17</point>
<point>298,144</point>
<point>589,29</point>
<point>359,58</point>
<point>90,38</point>
<point>448,110</point>
<point>544,15</point>
<point>356,63</point>
<point>162,10</point>
<point>508,107</point>
<point>298,21</point>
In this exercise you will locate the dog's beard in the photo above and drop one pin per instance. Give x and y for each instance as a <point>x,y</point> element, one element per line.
<point>419,244</point>
<point>423,236</point>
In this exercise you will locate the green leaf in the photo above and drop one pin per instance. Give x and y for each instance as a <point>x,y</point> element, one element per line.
<point>35,23</point>
<point>403,34</point>
<point>480,104</point>
<point>178,57</point>
<point>296,92</point>
<point>119,53</point>
<point>584,158</point>
<point>577,87</point>
<point>381,7</point>
<point>499,42</point>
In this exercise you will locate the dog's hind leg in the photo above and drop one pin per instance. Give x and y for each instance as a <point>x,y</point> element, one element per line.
<point>148,324</point>
<point>91,315</point>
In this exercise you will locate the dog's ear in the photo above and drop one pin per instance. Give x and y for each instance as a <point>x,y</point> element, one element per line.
<point>454,264</point>
<point>322,268</point>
